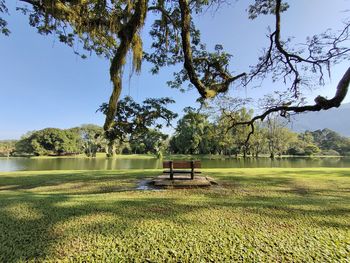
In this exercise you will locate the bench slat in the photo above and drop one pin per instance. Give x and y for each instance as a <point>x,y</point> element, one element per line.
<point>182,164</point>
<point>182,172</point>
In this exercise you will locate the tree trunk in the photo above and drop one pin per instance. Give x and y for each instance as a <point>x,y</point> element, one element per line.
<point>110,149</point>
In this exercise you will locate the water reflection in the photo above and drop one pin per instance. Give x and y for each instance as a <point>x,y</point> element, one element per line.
<point>27,164</point>
<point>291,162</point>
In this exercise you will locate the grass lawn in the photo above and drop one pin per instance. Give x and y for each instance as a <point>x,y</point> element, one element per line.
<point>293,215</point>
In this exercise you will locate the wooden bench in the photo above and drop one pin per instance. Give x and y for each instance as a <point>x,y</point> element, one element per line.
<point>175,165</point>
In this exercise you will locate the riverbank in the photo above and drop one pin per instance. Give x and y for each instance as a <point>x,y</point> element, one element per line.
<point>253,215</point>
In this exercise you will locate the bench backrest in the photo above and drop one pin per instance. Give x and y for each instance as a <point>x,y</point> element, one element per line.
<point>182,164</point>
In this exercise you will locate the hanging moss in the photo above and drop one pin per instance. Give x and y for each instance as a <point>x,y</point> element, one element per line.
<point>137,51</point>
<point>129,39</point>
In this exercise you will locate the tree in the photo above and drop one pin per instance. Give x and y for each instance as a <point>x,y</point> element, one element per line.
<point>223,138</point>
<point>303,145</point>
<point>112,29</point>
<point>279,138</point>
<point>151,141</point>
<point>92,139</point>
<point>208,144</point>
<point>189,132</point>
<point>7,147</point>
<point>23,144</point>
<point>327,139</point>
<point>259,141</point>
<point>49,141</point>
<point>134,120</point>
<point>240,133</point>
<point>226,111</point>
<point>233,137</point>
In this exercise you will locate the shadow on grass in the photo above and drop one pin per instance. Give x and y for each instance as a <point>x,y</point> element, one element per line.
<point>29,218</point>
<point>67,182</point>
<point>34,235</point>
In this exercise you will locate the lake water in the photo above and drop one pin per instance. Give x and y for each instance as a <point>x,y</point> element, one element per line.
<point>28,164</point>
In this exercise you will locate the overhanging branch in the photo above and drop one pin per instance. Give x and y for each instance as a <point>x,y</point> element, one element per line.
<point>321,103</point>
<point>206,91</point>
<point>125,35</point>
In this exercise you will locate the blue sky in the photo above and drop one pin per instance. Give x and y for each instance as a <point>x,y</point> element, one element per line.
<point>43,84</point>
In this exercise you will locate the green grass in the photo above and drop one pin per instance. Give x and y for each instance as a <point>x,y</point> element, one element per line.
<point>283,215</point>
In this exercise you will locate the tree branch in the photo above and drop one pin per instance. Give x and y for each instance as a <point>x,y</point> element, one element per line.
<point>281,62</point>
<point>213,89</point>
<point>321,103</point>
<point>126,35</point>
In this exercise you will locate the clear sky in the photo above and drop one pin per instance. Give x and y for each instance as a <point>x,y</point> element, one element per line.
<point>43,84</point>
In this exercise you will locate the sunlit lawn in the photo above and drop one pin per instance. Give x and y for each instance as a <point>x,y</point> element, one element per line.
<point>254,215</point>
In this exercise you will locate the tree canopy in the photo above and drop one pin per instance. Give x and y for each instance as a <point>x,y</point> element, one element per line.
<point>113,28</point>
<point>195,133</point>
<point>49,141</point>
<point>133,120</point>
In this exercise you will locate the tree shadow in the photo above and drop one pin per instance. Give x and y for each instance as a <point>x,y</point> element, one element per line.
<point>285,197</point>
<point>34,235</point>
<point>34,221</point>
<point>70,183</point>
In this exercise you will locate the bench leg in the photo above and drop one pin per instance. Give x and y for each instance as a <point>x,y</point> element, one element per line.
<point>171,170</point>
<point>192,170</point>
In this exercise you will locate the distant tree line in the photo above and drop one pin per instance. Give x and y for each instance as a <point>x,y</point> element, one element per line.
<point>195,133</point>
<point>88,139</point>
<point>7,147</point>
<point>59,142</point>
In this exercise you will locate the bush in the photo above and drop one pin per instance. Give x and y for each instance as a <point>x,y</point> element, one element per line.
<point>330,152</point>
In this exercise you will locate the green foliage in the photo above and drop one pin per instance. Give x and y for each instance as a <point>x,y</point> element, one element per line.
<point>92,139</point>
<point>279,138</point>
<point>327,139</point>
<point>259,141</point>
<point>49,141</point>
<point>151,141</point>
<point>134,119</point>
<point>264,7</point>
<point>190,132</point>
<point>330,153</point>
<point>255,215</point>
<point>240,133</point>
<point>203,62</point>
<point>196,134</point>
<point>304,145</point>
<point>113,29</point>
<point>3,24</point>
<point>7,147</point>
<point>92,24</point>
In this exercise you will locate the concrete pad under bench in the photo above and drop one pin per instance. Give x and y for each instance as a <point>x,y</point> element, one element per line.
<point>182,181</point>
